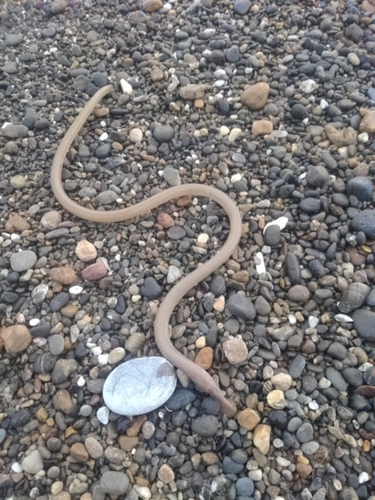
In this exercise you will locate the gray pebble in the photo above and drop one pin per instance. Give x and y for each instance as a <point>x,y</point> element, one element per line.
<point>22,261</point>
<point>241,306</point>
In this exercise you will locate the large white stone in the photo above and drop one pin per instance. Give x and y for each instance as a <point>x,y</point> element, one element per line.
<point>139,386</point>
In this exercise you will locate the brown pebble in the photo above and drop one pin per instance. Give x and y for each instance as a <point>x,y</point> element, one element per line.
<point>262,435</point>
<point>18,223</point>
<point>100,112</point>
<point>64,275</point>
<point>62,401</point>
<point>261,127</point>
<point>204,358</point>
<point>136,426</point>
<point>69,311</point>
<point>86,251</point>
<point>241,276</point>
<point>255,97</point>
<point>128,443</point>
<point>165,220</point>
<point>184,201</point>
<point>248,419</point>
<point>16,338</point>
<point>79,452</point>
<point>304,470</point>
<point>152,5</point>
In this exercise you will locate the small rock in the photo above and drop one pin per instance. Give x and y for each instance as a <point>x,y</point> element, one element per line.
<point>205,426</point>
<point>299,293</point>
<point>62,401</point>
<point>241,306</point>
<point>204,358</point>
<point>276,400</point>
<point>163,133</point>
<point>135,135</point>
<point>360,187</point>
<point>33,463</point>
<point>262,436</point>
<point>22,261</point>
<point>248,419</point>
<point>368,123</point>
<point>114,483</point>
<point>235,351</point>
<point>341,138</point>
<point>299,112</point>
<point>58,7</point>
<point>192,91</point>
<point>261,127</point>
<point>79,452</point>
<point>255,97</point>
<point>165,474</point>
<point>64,275</point>
<point>95,272</point>
<point>16,338</point>
<point>152,5</point>
<point>86,251</point>
<point>15,131</point>
<point>19,223</point>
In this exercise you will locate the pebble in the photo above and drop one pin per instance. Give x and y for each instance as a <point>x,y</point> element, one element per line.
<point>163,133</point>
<point>262,437</point>
<point>64,275</point>
<point>139,386</point>
<point>276,399</point>
<point>364,323</point>
<point>23,261</point>
<point>255,96</point>
<point>299,293</point>
<point>16,338</point>
<point>360,187</point>
<point>241,306</point>
<point>248,419</point>
<point>235,351</point>
<point>33,463</point>
<point>205,426</point>
<point>86,251</point>
<point>114,483</point>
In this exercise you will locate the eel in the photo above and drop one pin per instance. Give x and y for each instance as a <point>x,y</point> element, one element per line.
<point>195,373</point>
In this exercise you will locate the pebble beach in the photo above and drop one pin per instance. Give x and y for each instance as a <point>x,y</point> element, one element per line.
<point>272,103</point>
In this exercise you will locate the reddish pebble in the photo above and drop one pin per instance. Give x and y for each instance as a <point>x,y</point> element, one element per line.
<point>95,271</point>
<point>165,220</point>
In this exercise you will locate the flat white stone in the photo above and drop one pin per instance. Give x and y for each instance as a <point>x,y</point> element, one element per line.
<point>139,386</point>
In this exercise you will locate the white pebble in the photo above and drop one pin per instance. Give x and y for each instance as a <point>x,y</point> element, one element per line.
<point>323,104</point>
<point>224,130</point>
<point>219,72</point>
<point>281,222</point>
<point>313,321</point>
<point>308,86</point>
<point>34,322</point>
<point>313,405</point>
<point>103,359</point>
<point>363,138</point>
<point>103,415</point>
<point>292,319</point>
<point>126,87</point>
<point>235,178</point>
<point>174,274</point>
<point>97,350</point>
<point>75,290</point>
<point>203,238</point>
<point>234,134</point>
<point>103,137</point>
<point>219,83</point>
<point>343,318</point>
<point>17,467</point>
<point>81,381</point>
<point>363,477</point>
<point>259,263</point>
<point>143,491</point>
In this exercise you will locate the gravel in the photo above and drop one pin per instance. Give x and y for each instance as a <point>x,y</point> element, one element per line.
<point>272,103</point>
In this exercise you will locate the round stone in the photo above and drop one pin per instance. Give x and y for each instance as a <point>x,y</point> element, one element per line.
<point>22,261</point>
<point>163,133</point>
<point>139,386</point>
<point>86,251</point>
